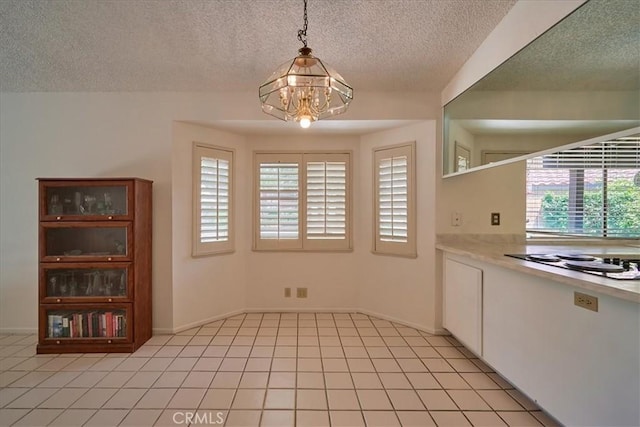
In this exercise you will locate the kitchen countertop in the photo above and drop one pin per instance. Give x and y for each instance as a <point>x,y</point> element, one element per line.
<point>492,250</point>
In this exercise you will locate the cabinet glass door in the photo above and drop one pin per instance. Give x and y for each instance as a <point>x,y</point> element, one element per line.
<point>79,283</point>
<point>85,241</point>
<point>69,200</point>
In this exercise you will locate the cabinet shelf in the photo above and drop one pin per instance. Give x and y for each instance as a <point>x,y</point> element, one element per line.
<point>95,265</point>
<point>86,323</point>
<point>86,282</point>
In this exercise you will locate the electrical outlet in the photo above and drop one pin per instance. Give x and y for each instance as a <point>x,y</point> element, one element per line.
<point>287,292</point>
<point>456,219</point>
<point>301,292</point>
<point>495,218</point>
<point>585,301</point>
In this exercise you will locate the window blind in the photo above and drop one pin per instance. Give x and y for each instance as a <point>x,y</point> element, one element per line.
<point>214,200</point>
<point>302,201</point>
<point>279,200</point>
<point>394,193</point>
<point>392,199</point>
<point>212,230</point>
<point>586,191</point>
<point>326,188</point>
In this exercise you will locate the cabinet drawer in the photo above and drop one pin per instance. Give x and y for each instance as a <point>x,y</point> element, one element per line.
<point>86,200</point>
<point>87,323</point>
<point>86,241</point>
<point>86,283</point>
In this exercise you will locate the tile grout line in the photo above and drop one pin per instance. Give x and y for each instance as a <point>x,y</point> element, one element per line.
<point>344,329</point>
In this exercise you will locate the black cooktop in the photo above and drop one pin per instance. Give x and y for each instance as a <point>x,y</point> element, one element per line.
<point>612,268</point>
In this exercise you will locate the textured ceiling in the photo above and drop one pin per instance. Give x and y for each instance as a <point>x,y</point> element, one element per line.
<point>192,45</point>
<point>595,48</point>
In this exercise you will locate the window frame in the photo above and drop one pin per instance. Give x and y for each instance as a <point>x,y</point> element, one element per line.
<point>406,249</point>
<point>302,243</point>
<point>199,248</point>
<point>594,171</point>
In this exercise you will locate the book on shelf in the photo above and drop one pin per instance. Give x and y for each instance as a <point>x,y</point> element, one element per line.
<point>94,324</point>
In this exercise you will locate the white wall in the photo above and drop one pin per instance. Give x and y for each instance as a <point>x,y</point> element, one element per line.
<point>394,287</point>
<point>209,287</point>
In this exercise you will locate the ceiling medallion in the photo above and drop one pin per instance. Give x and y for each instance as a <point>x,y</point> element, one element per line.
<point>305,89</point>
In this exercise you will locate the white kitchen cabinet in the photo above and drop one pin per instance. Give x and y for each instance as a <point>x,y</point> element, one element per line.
<point>581,366</point>
<point>462,296</point>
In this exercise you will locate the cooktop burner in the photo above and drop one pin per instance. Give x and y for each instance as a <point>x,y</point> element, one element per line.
<point>612,268</point>
<point>576,257</point>
<point>543,257</point>
<point>594,266</point>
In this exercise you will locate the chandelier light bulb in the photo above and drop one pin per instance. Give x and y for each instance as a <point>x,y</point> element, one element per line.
<point>305,122</point>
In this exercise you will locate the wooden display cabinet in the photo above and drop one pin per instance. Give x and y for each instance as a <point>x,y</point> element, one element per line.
<point>95,265</point>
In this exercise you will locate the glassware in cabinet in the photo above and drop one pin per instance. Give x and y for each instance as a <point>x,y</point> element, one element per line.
<point>86,282</point>
<point>100,200</point>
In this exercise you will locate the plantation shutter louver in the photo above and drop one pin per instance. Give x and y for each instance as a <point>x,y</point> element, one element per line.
<point>212,200</point>
<point>279,201</point>
<point>327,209</point>
<point>395,200</point>
<point>592,190</point>
<point>302,201</point>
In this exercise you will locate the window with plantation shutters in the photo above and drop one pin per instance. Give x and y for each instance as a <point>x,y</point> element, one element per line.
<point>212,194</point>
<point>302,201</point>
<point>394,187</point>
<point>592,190</point>
<point>279,200</point>
<point>327,208</point>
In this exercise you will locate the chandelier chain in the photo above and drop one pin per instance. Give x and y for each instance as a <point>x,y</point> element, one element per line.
<point>302,34</point>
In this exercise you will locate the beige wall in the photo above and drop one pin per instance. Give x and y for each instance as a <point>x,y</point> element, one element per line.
<point>477,194</point>
<point>133,134</point>
<point>526,20</point>
<point>502,188</point>
<point>401,288</point>
<point>76,135</point>
<point>331,278</point>
<point>208,287</point>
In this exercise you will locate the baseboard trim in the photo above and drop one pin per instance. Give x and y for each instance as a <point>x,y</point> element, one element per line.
<point>165,331</point>
<point>404,322</point>
<point>300,310</point>
<point>188,326</point>
<point>18,331</point>
<point>162,331</point>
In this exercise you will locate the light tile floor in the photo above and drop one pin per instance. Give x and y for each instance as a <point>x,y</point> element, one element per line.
<point>267,369</point>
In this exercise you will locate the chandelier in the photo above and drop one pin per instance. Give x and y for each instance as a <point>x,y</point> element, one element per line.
<point>305,89</point>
